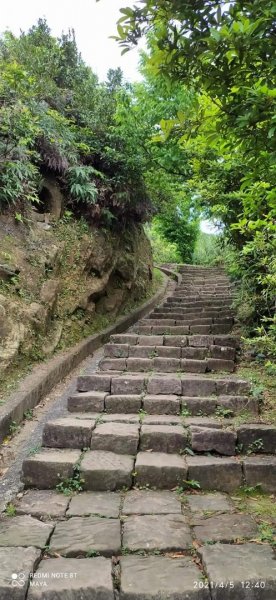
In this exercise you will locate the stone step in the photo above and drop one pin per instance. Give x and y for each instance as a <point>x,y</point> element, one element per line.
<point>177,298</point>
<point>166,471</point>
<point>180,306</point>
<point>197,305</point>
<point>48,467</point>
<point>210,290</point>
<point>198,320</point>
<point>200,435</point>
<point>163,364</point>
<point>214,303</point>
<point>106,470</point>
<point>166,351</point>
<point>228,405</point>
<point>133,383</point>
<point>172,404</point>
<point>173,327</point>
<point>68,432</point>
<point>101,470</point>
<point>194,341</point>
<point>87,402</point>
<point>199,293</point>
<point>196,313</point>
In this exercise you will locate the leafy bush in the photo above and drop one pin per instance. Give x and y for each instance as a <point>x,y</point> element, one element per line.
<point>80,186</point>
<point>163,251</point>
<point>207,250</point>
<point>57,118</point>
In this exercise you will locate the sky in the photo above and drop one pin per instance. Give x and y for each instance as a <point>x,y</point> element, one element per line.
<point>92,21</point>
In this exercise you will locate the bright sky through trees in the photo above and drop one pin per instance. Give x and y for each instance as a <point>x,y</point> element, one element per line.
<point>93,22</point>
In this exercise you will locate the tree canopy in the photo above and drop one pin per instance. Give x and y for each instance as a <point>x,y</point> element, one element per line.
<point>195,138</point>
<point>223,55</point>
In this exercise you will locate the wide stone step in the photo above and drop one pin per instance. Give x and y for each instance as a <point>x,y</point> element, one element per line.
<point>204,290</point>
<point>163,364</point>
<point>168,351</point>
<point>194,341</point>
<point>181,300</point>
<point>197,320</point>
<point>133,383</point>
<point>168,310</point>
<point>198,434</point>
<point>172,404</point>
<point>105,470</point>
<point>215,295</point>
<point>177,327</point>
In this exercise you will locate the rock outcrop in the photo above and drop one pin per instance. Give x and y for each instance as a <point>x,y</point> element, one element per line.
<point>63,276</point>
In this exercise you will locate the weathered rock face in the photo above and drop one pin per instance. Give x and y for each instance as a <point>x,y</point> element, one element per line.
<point>65,278</point>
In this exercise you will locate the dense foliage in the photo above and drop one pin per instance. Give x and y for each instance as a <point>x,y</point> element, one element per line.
<point>195,138</point>
<point>56,118</point>
<point>223,54</point>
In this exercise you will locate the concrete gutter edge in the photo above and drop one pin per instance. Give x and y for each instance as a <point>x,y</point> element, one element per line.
<point>47,375</point>
<point>173,274</point>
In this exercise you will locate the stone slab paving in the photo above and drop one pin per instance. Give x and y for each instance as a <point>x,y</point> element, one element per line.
<point>16,563</point>
<point>209,503</point>
<point>225,528</point>
<point>42,503</point>
<point>82,536</point>
<point>158,577</point>
<point>151,502</point>
<point>156,532</point>
<point>24,531</point>
<point>103,504</point>
<point>73,579</point>
<point>240,572</point>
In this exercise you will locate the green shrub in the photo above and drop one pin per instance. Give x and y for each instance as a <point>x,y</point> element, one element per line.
<point>163,251</point>
<point>207,251</point>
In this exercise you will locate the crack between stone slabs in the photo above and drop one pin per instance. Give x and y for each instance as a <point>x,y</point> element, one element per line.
<point>35,567</point>
<point>116,576</point>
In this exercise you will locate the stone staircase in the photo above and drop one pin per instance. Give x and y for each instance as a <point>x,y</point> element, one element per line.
<point>163,415</point>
